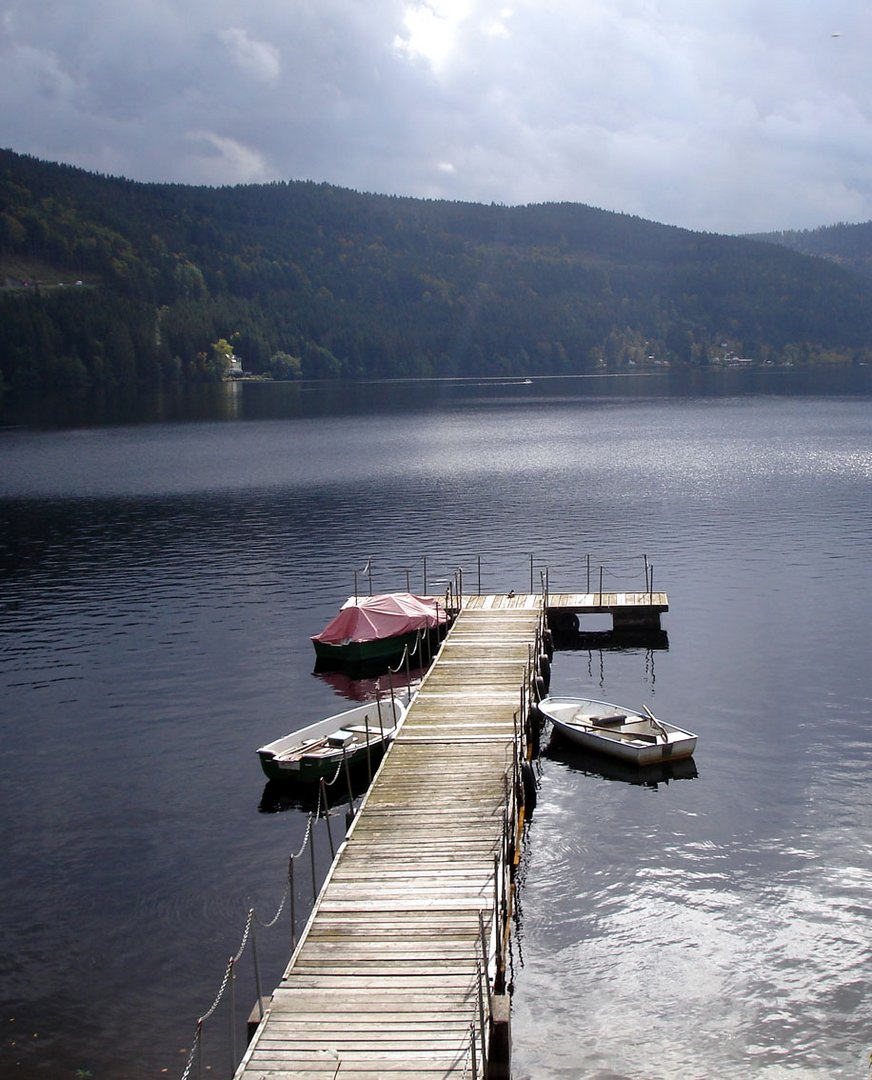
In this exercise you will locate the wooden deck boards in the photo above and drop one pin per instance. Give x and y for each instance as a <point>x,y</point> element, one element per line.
<point>384,983</point>
<point>576,601</point>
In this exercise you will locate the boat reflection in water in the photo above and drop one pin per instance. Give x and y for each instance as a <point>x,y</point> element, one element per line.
<point>367,682</point>
<point>609,768</point>
<point>282,795</point>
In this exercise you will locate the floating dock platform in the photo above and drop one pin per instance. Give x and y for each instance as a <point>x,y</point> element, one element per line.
<point>400,971</point>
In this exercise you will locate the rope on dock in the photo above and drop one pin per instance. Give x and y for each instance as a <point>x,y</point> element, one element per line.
<point>491,965</point>
<point>252,921</point>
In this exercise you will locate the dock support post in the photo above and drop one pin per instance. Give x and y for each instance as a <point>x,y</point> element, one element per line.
<point>499,1057</point>
<point>638,619</point>
<point>256,1015</point>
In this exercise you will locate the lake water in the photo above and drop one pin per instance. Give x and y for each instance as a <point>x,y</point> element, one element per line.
<point>162,568</point>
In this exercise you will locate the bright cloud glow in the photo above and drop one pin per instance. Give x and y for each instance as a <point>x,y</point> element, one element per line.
<point>729,117</point>
<point>432,29</point>
<point>256,58</point>
<point>217,160</point>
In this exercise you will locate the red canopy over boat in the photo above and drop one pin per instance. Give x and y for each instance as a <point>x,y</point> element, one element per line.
<point>373,618</point>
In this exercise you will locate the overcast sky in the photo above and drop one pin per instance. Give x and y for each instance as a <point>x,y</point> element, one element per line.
<point>721,115</point>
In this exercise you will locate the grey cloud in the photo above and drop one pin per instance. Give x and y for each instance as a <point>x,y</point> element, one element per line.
<point>741,118</point>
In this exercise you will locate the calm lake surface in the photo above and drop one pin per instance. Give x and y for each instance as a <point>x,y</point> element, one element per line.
<point>162,568</point>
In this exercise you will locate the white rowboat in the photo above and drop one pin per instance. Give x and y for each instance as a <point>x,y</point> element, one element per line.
<point>318,750</point>
<point>612,729</point>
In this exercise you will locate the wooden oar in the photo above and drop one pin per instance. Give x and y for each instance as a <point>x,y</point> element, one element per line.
<point>657,724</point>
<point>615,733</point>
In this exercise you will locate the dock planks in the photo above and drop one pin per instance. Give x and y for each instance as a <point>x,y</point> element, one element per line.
<point>384,982</point>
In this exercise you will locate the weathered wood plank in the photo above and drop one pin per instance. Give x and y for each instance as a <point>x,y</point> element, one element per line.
<point>385,980</point>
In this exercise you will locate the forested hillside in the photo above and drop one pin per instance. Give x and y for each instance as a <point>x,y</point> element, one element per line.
<point>849,246</point>
<point>108,281</point>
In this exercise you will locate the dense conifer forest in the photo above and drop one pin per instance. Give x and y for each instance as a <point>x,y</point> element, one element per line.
<point>849,246</point>
<point>105,281</point>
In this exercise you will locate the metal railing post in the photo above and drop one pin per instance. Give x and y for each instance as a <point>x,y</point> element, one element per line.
<point>293,902</point>
<point>312,861</point>
<point>200,1049</point>
<point>327,818</point>
<point>482,1023</point>
<point>485,958</point>
<point>496,895</point>
<point>368,752</point>
<point>257,981</point>
<point>233,1057</point>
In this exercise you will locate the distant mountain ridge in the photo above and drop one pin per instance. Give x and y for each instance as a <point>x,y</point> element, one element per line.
<point>108,281</point>
<point>849,246</point>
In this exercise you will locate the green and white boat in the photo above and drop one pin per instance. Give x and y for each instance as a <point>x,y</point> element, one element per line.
<point>349,737</point>
<point>378,627</point>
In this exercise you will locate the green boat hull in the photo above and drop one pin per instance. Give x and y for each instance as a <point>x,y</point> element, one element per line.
<point>357,652</point>
<point>321,750</point>
<point>311,770</point>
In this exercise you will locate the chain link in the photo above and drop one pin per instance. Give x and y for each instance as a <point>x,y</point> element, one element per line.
<point>250,919</point>
<point>275,918</point>
<point>308,832</point>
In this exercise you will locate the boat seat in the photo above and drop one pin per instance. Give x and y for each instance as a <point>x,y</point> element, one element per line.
<point>602,721</point>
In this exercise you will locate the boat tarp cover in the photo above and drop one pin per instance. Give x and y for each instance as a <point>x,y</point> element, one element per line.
<point>373,618</point>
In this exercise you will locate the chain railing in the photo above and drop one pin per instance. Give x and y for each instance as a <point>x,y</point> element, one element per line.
<point>288,900</point>
<point>588,573</point>
<point>491,967</point>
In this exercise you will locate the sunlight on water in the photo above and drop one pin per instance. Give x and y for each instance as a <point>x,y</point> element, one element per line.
<point>159,587</point>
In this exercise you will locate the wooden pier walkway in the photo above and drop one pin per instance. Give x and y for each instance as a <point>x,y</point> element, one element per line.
<point>398,973</point>
<point>629,610</point>
<point>625,606</point>
<point>387,978</point>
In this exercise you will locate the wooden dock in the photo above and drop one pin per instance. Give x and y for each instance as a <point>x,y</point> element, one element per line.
<point>399,971</point>
<point>624,607</point>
